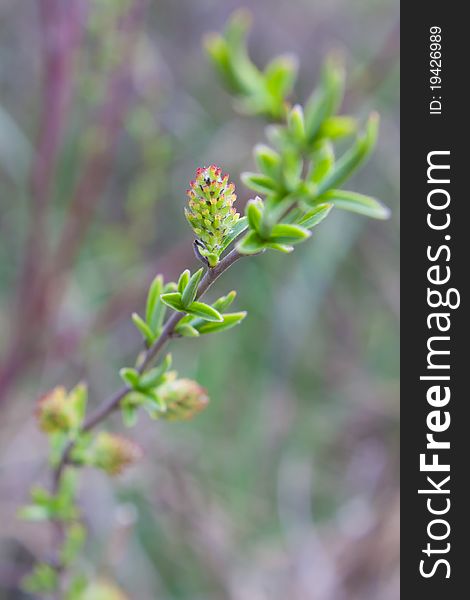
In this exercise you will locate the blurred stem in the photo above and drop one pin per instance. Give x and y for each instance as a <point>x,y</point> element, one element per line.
<point>60,40</point>
<point>107,407</point>
<point>43,276</point>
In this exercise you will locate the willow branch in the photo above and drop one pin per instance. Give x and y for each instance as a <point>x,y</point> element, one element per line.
<point>112,403</point>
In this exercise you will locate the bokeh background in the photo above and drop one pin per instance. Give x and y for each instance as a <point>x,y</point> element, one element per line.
<point>287,487</point>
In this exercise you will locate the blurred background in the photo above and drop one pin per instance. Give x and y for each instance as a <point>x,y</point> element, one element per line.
<point>287,487</point>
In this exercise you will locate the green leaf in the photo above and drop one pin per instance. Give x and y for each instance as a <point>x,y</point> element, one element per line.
<point>267,160</point>
<point>284,233</point>
<point>292,165</point>
<point>237,230</point>
<point>323,161</point>
<point>280,75</point>
<point>186,330</point>
<point>152,377</point>
<point>144,329</point>
<point>259,183</point>
<point>183,280</point>
<point>76,588</point>
<point>57,442</point>
<point>229,321</point>
<point>338,127</point>
<point>65,497</point>
<point>224,302</point>
<point>199,309</point>
<point>326,98</point>
<point>278,136</point>
<point>314,216</point>
<point>284,248</point>
<point>43,580</point>
<point>129,414</point>
<point>251,244</point>
<point>153,299</point>
<point>75,537</point>
<point>40,496</point>
<point>254,214</point>
<point>77,398</point>
<point>130,376</point>
<point>171,286</point>
<point>217,49</point>
<point>353,158</point>
<point>296,123</point>
<point>173,300</point>
<point>358,203</point>
<point>245,72</point>
<point>134,399</point>
<point>34,512</point>
<point>190,290</point>
<point>154,403</point>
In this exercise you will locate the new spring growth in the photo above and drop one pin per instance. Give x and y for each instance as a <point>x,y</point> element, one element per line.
<point>299,180</point>
<point>184,398</point>
<point>210,212</point>
<point>112,453</point>
<point>61,411</point>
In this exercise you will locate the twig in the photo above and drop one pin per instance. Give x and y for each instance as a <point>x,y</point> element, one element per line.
<point>112,403</point>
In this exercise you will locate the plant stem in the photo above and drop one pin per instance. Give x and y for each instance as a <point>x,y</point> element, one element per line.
<point>112,403</point>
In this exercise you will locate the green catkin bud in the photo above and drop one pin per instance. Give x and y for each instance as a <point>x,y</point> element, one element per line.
<point>54,412</point>
<point>210,211</point>
<point>113,453</point>
<point>184,398</point>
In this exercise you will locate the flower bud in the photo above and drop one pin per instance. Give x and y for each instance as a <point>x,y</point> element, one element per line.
<point>184,398</point>
<point>210,210</point>
<point>113,453</point>
<point>54,413</point>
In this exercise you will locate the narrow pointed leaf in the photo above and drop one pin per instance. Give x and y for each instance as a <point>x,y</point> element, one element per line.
<point>173,300</point>
<point>267,160</point>
<point>155,402</point>
<point>171,286</point>
<point>284,248</point>
<point>130,376</point>
<point>284,233</point>
<point>353,158</point>
<point>224,302</point>
<point>144,329</point>
<point>296,123</point>
<point>292,165</point>
<point>152,377</point>
<point>251,244</point>
<point>280,75</point>
<point>254,214</point>
<point>237,230</point>
<point>358,203</point>
<point>278,136</point>
<point>259,183</point>
<point>190,291</point>
<point>326,98</point>
<point>183,280</point>
<point>134,399</point>
<point>338,127</point>
<point>314,216</point>
<point>199,309</point>
<point>323,162</point>
<point>186,330</point>
<point>153,298</point>
<point>229,321</point>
